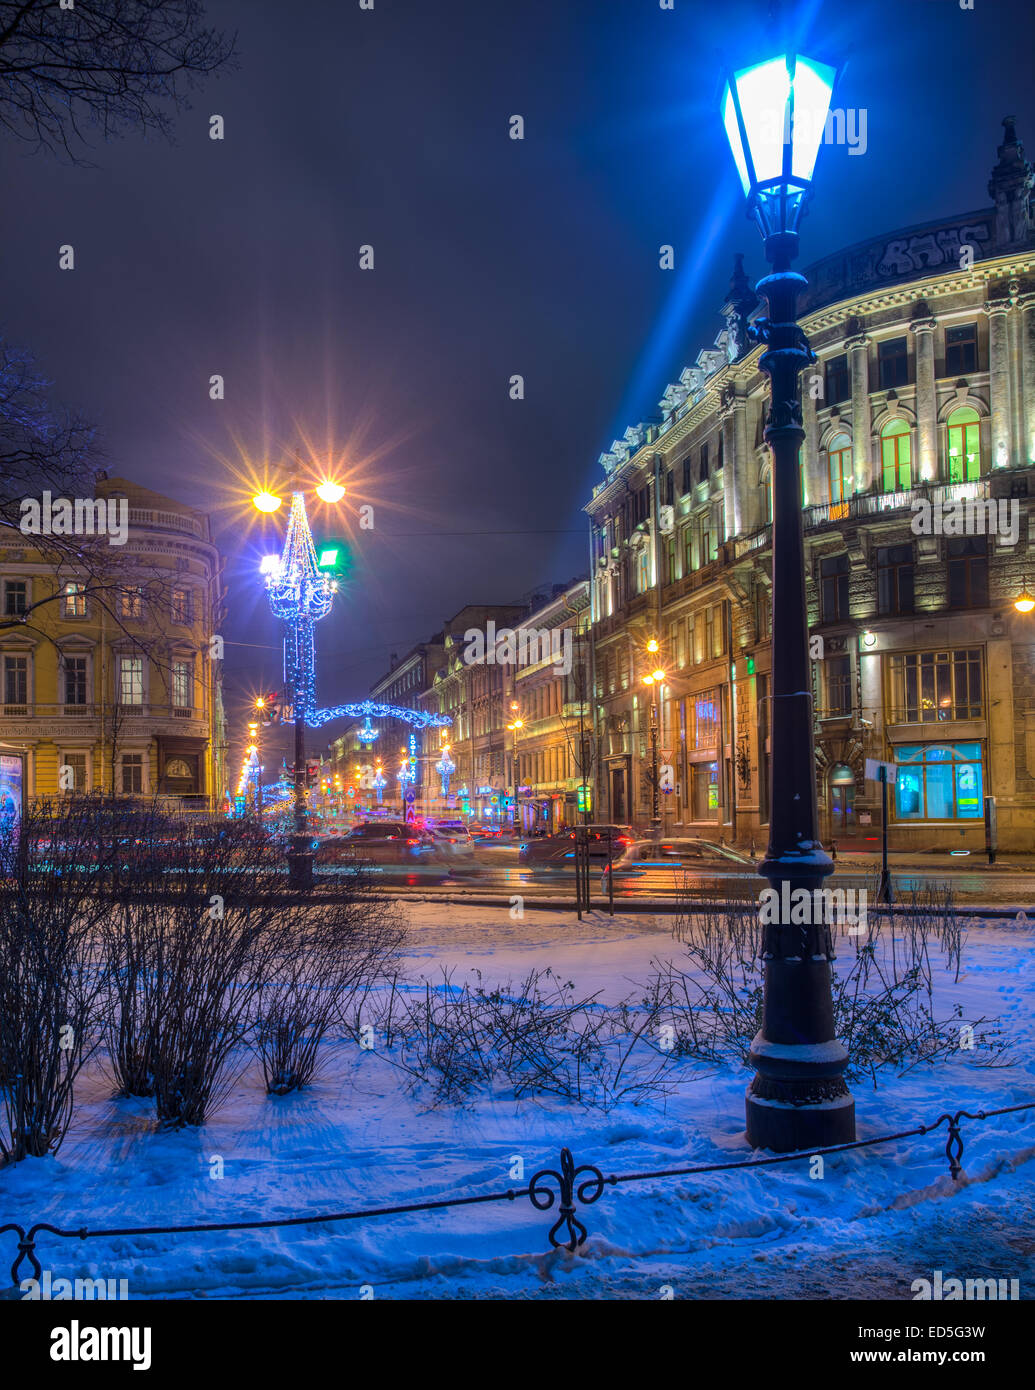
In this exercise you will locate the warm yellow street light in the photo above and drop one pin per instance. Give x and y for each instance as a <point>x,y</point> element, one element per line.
<point>652,645</point>
<point>266,501</point>
<point>1024,602</point>
<point>330,492</point>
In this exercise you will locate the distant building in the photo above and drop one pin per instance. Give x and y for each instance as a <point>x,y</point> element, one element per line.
<point>110,679</point>
<point>923,392</point>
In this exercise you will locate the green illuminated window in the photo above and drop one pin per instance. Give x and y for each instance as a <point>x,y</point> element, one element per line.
<point>896,457</point>
<point>839,466</point>
<point>964,445</point>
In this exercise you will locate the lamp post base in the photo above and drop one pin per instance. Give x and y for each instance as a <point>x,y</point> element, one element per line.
<point>783,1127</point>
<point>300,864</point>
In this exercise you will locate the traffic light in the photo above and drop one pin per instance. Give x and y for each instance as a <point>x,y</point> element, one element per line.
<point>268,707</point>
<point>333,557</point>
<point>312,772</point>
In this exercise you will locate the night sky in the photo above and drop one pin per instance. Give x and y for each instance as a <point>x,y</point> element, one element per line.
<point>492,257</point>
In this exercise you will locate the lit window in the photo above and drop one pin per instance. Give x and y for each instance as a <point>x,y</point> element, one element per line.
<point>75,601</point>
<point>896,457</point>
<point>964,451</point>
<point>131,680</point>
<point>939,782</point>
<point>839,469</point>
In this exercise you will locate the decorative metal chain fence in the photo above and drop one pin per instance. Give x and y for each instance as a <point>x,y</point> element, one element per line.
<point>540,1192</point>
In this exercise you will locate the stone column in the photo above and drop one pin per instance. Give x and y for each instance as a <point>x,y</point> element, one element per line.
<point>1026,413</point>
<point>815,490</point>
<point>731,464</point>
<point>926,400</point>
<point>999,380</point>
<point>746,494</point>
<point>858,350</point>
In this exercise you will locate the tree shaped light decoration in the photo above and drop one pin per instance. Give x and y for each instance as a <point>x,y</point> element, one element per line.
<point>380,782</point>
<point>300,595</point>
<point>445,767</point>
<point>407,772</point>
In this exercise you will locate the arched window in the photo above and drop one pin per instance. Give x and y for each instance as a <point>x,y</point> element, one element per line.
<point>964,452</point>
<point>896,457</point>
<point>767,497</point>
<point>839,469</point>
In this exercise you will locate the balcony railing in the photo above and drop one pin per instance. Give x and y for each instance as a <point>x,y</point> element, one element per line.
<point>866,504</point>
<point>43,710</point>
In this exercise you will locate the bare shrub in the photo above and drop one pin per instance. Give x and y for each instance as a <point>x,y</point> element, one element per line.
<point>51,974</point>
<point>884,1008</point>
<point>538,1038</point>
<point>318,974</point>
<point>206,953</point>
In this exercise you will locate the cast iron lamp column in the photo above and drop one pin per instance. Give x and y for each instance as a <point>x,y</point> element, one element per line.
<point>798,1098</point>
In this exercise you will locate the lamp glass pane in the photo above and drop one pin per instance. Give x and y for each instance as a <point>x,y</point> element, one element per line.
<point>813,87</point>
<point>763,92</point>
<point>729,117</point>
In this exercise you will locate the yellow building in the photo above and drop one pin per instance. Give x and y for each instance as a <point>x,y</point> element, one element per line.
<point>110,647</point>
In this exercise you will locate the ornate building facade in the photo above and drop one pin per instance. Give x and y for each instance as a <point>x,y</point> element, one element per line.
<point>918,471</point>
<point>110,676</point>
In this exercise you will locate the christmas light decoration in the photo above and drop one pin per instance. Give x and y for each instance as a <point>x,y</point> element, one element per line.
<point>445,767</point>
<point>367,734</point>
<point>380,782</point>
<point>300,595</point>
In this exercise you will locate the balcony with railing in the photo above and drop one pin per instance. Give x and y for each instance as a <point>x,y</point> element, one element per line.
<point>43,712</point>
<point>878,504</point>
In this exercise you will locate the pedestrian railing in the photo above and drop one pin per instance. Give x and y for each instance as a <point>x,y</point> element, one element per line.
<point>548,1187</point>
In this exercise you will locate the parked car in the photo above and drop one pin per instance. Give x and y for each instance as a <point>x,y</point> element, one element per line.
<point>604,841</point>
<point>662,863</point>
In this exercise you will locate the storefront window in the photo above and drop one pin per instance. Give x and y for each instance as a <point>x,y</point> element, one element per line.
<point>939,782</point>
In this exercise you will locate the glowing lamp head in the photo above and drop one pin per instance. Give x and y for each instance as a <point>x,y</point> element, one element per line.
<point>269,565</point>
<point>1024,602</point>
<point>266,501</point>
<point>658,676</point>
<point>330,492</point>
<point>652,645</point>
<point>775,115</point>
<point>648,680</point>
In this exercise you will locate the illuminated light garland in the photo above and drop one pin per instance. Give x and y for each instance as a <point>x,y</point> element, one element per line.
<point>367,734</point>
<point>300,595</point>
<point>445,767</point>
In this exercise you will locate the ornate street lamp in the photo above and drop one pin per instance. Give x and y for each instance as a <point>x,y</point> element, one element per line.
<point>300,595</point>
<point>775,116</point>
<point>653,679</point>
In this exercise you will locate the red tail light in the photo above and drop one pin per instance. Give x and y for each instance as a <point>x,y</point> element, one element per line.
<point>413,842</point>
<point>623,840</point>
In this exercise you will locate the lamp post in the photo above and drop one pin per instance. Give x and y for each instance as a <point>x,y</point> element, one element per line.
<point>300,595</point>
<point>516,724</point>
<point>253,734</point>
<point>653,680</point>
<point>775,115</point>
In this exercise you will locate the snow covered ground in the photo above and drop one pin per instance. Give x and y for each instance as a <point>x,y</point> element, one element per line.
<point>877,1220</point>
